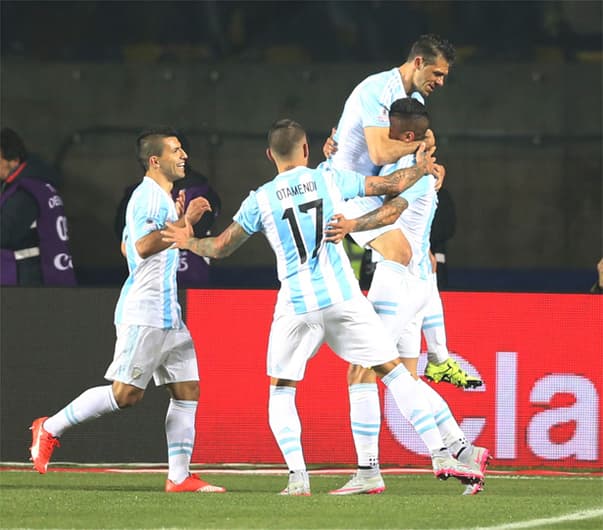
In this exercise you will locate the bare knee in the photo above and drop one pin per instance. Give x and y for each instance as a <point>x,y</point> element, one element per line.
<point>358,375</point>
<point>411,365</point>
<point>126,395</point>
<point>184,390</point>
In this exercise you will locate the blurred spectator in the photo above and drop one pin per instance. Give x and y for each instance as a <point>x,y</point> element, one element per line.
<point>33,225</point>
<point>442,229</point>
<point>597,287</point>
<point>193,270</point>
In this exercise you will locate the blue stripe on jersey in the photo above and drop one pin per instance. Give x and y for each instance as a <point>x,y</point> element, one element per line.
<point>283,226</point>
<point>149,295</point>
<point>291,211</point>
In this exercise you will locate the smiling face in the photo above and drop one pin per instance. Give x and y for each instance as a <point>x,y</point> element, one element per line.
<point>172,161</point>
<point>429,77</point>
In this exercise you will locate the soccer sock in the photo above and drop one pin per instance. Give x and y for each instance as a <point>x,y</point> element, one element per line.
<point>386,294</point>
<point>453,436</point>
<point>91,404</point>
<point>433,328</point>
<point>180,435</point>
<point>365,417</point>
<point>414,406</point>
<point>285,426</point>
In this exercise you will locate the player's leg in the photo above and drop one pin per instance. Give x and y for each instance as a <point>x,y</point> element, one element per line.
<point>409,346</point>
<point>415,407</point>
<point>365,411</point>
<point>294,339</point>
<point>474,457</point>
<point>440,366</point>
<point>361,339</point>
<point>130,372</point>
<point>178,371</point>
<point>285,425</point>
<point>365,419</point>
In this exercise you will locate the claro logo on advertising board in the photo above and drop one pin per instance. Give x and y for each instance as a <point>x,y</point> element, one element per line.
<point>557,429</point>
<point>540,356</point>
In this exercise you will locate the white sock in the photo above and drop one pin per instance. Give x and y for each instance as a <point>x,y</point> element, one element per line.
<point>414,406</point>
<point>180,435</point>
<point>365,416</point>
<point>453,436</point>
<point>91,404</point>
<point>433,328</point>
<point>285,425</point>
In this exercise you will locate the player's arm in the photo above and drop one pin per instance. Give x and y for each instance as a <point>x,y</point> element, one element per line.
<point>339,226</point>
<point>383,150</point>
<point>401,179</point>
<point>220,246</point>
<point>152,243</point>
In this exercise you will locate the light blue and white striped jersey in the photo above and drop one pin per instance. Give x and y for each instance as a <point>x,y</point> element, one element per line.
<point>291,211</point>
<point>367,106</point>
<point>416,220</point>
<point>149,296</point>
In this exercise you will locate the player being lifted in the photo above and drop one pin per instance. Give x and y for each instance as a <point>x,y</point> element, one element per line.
<point>362,143</point>
<point>400,293</point>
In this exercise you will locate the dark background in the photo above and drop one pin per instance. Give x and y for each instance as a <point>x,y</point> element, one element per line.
<point>518,124</point>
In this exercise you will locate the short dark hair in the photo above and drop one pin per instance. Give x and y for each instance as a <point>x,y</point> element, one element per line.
<point>409,114</point>
<point>284,135</point>
<point>150,143</point>
<point>12,145</point>
<point>430,46</point>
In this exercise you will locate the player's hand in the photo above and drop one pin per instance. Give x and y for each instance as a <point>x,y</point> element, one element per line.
<point>180,203</point>
<point>425,159</point>
<point>196,208</point>
<point>330,146</point>
<point>439,172</point>
<point>178,236</point>
<point>337,228</point>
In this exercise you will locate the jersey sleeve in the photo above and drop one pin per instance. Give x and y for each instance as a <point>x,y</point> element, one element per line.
<point>350,183</point>
<point>248,215</point>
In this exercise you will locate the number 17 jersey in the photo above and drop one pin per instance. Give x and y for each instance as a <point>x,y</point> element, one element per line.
<point>291,211</point>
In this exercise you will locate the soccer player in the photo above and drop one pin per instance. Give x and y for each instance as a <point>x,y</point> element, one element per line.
<point>319,299</point>
<point>363,144</point>
<point>152,340</point>
<point>400,292</point>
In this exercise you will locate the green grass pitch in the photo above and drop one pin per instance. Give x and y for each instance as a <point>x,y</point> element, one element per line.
<point>114,500</point>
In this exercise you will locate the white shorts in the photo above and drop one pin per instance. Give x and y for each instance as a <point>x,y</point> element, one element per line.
<point>352,330</point>
<point>142,352</point>
<point>404,324</point>
<point>357,207</point>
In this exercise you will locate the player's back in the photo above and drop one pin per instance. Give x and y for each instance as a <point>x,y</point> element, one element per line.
<point>367,106</point>
<point>292,211</point>
<point>416,220</point>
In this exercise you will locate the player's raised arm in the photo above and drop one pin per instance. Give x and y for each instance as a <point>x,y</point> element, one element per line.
<point>383,150</point>
<point>401,179</point>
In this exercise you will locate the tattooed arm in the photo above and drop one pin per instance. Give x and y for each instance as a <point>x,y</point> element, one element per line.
<point>211,247</point>
<point>401,179</point>
<point>385,215</point>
